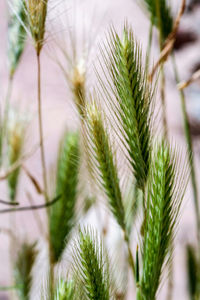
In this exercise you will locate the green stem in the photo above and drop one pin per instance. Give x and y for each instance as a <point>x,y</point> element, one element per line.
<point>44,173</point>
<point>130,255</point>
<point>190,150</point>
<point>139,294</point>
<point>162,91</point>
<point>148,55</point>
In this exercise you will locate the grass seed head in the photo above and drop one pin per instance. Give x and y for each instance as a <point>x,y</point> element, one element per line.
<point>37,13</point>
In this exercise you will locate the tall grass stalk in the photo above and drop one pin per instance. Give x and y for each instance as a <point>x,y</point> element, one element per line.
<point>37,15</point>
<point>161,41</point>
<point>41,135</point>
<point>188,138</point>
<point>148,54</point>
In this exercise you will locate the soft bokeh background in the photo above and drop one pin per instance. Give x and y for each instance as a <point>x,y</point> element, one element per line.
<point>92,18</point>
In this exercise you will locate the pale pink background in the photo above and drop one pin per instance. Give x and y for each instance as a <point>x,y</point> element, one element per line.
<point>59,113</point>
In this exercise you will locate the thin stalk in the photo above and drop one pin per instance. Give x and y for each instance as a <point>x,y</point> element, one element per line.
<point>130,255</point>
<point>171,277</point>
<point>162,91</point>
<point>44,173</point>
<point>148,55</point>
<point>190,149</point>
<point>131,261</point>
<point>40,119</point>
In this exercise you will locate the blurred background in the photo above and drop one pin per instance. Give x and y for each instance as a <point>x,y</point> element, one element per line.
<point>89,20</point>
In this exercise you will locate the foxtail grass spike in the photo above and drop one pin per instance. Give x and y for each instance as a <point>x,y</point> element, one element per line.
<point>23,270</point>
<point>103,158</point>
<point>62,214</point>
<point>16,34</point>
<point>16,133</point>
<point>37,13</point>
<point>132,100</point>
<point>161,16</point>
<point>164,197</point>
<point>91,266</point>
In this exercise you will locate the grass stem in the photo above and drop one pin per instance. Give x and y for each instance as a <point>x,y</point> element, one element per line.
<point>130,255</point>
<point>41,135</point>
<point>44,173</point>
<point>190,149</point>
<point>148,54</point>
<point>162,91</point>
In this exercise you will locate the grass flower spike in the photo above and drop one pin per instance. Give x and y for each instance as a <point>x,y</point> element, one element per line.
<point>132,100</point>
<point>16,132</point>
<point>62,214</point>
<point>23,269</point>
<point>164,197</point>
<point>104,162</point>
<point>91,266</point>
<point>37,13</point>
